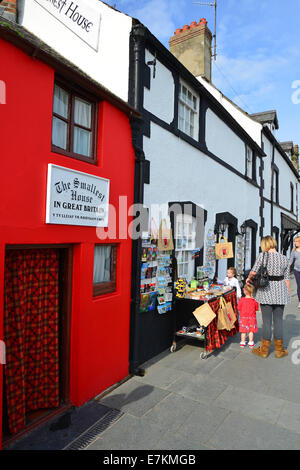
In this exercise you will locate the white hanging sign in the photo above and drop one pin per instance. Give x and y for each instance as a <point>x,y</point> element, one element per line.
<point>78,16</point>
<point>76,198</point>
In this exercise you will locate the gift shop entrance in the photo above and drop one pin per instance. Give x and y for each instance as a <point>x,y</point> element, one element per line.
<point>37,308</point>
<point>226,227</point>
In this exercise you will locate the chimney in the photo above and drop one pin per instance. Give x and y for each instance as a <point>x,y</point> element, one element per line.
<point>8,10</point>
<point>191,45</point>
<point>295,157</point>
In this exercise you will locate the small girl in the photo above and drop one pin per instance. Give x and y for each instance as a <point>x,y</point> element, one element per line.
<point>231,280</point>
<point>247,308</point>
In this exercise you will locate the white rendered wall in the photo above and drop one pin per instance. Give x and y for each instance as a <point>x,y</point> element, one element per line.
<point>159,100</point>
<point>224,143</point>
<point>186,174</point>
<point>267,173</point>
<point>286,176</point>
<point>110,64</point>
<point>252,127</point>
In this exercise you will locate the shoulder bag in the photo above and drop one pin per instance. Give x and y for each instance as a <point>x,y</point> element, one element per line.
<point>261,278</point>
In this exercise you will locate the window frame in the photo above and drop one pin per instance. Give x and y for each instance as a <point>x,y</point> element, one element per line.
<point>76,92</point>
<point>183,221</point>
<point>187,107</point>
<point>275,185</point>
<point>292,196</point>
<point>108,287</point>
<point>250,170</point>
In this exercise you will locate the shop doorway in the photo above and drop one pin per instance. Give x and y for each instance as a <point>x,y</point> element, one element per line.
<point>229,230</point>
<point>37,305</point>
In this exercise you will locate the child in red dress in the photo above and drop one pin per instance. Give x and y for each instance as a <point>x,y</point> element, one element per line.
<point>247,308</point>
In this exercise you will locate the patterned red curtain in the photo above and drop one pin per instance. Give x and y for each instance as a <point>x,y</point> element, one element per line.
<point>31,331</point>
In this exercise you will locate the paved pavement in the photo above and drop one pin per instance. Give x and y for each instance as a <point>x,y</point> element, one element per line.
<point>231,400</point>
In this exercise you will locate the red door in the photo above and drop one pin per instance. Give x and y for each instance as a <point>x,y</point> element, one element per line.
<point>31,334</point>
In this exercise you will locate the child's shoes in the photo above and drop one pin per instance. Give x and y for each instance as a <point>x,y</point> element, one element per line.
<point>251,344</point>
<point>242,345</point>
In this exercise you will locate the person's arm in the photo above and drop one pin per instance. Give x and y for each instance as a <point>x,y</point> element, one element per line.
<point>292,259</point>
<point>251,274</point>
<point>286,276</point>
<point>255,268</point>
<point>238,289</point>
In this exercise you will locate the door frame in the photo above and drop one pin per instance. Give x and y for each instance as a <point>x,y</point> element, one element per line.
<point>65,308</point>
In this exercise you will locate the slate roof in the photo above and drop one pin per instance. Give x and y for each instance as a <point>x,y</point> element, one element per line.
<point>266,117</point>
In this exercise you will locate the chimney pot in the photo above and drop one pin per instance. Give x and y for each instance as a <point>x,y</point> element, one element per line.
<point>8,9</point>
<point>194,24</point>
<point>178,30</point>
<point>186,27</point>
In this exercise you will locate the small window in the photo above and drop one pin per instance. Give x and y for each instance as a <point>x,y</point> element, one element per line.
<point>275,186</point>
<point>251,164</point>
<point>187,109</point>
<point>73,125</point>
<point>105,263</point>
<point>292,197</point>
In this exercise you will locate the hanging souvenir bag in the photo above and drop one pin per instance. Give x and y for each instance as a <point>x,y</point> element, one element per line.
<point>165,238</point>
<point>204,314</point>
<point>231,314</point>
<point>224,321</point>
<point>223,250</point>
<point>261,278</point>
<point>153,231</point>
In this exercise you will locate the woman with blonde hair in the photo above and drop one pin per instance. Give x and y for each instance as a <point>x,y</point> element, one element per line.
<point>295,262</point>
<point>273,297</point>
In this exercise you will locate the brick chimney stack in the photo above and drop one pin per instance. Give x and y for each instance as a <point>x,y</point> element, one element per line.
<point>8,9</point>
<point>191,45</point>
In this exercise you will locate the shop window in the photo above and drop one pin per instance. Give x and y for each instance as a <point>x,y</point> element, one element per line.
<point>185,235</point>
<point>105,263</point>
<point>188,110</point>
<point>73,124</point>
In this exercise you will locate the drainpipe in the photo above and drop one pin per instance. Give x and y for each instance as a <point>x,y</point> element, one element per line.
<point>136,92</point>
<point>272,186</point>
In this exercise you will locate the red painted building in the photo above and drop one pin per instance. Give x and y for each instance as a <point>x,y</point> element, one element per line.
<point>84,282</point>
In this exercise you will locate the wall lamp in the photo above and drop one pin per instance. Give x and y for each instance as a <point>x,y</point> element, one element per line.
<point>243,229</point>
<point>221,228</point>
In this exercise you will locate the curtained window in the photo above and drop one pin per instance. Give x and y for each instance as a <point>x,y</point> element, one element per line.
<point>73,124</point>
<point>104,277</point>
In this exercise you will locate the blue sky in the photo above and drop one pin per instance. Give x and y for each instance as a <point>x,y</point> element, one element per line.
<point>258,47</point>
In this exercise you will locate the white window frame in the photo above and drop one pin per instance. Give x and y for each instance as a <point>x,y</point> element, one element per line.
<point>188,111</point>
<point>249,162</point>
<point>185,236</point>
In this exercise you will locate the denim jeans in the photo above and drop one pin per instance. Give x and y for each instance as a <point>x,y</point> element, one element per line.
<point>272,314</point>
<point>297,277</point>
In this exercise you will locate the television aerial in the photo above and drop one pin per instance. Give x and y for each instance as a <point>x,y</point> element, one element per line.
<point>213,5</point>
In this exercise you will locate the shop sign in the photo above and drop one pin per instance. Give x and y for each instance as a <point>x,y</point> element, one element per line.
<point>76,198</point>
<point>78,16</point>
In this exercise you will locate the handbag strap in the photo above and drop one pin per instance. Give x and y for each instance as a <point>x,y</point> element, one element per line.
<point>265,252</point>
<point>224,238</point>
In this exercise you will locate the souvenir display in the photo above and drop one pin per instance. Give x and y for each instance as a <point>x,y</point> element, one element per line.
<point>208,270</point>
<point>180,287</point>
<point>156,278</point>
<point>239,257</point>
